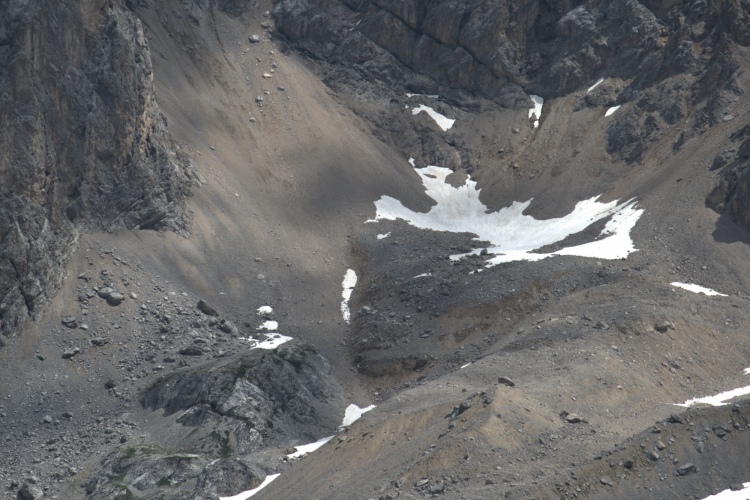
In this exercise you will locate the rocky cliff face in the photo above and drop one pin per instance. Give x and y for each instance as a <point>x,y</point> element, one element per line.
<point>261,395</point>
<point>498,48</point>
<point>226,412</point>
<point>679,62</point>
<point>84,145</point>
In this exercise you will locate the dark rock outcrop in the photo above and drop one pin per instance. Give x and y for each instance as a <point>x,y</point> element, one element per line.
<point>497,48</point>
<point>152,472</point>
<point>731,193</point>
<point>84,145</point>
<point>260,397</point>
<point>229,410</point>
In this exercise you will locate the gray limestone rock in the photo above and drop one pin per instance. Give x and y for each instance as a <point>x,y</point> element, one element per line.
<point>30,491</point>
<point>205,308</point>
<point>687,468</point>
<point>115,299</point>
<point>84,145</point>
<point>228,327</point>
<point>70,322</point>
<point>69,353</point>
<point>191,351</point>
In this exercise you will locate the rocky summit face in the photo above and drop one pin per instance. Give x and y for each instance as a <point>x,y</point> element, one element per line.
<point>374,249</point>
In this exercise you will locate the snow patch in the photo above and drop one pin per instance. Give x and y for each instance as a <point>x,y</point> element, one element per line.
<point>423,275</point>
<point>536,111</point>
<point>383,235</point>
<point>350,281</point>
<point>728,494</point>
<point>247,494</point>
<point>269,325</point>
<point>697,289</point>
<point>514,236</point>
<point>430,96</point>
<point>308,448</point>
<point>442,121</point>
<point>718,399</point>
<point>264,310</point>
<point>612,110</point>
<point>721,398</point>
<point>464,366</point>
<point>598,82</point>
<point>273,340</point>
<point>352,414</point>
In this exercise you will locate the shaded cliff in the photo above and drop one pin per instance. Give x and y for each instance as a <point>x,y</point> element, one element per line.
<point>84,145</point>
<point>497,48</point>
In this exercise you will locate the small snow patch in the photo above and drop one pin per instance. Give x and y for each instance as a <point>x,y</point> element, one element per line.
<point>536,111</point>
<point>273,340</point>
<point>598,82</point>
<point>423,275</point>
<point>264,310</point>
<point>612,110</point>
<point>269,325</point>
<point>442,121</point>
<point>350,281</point>
<point>308,448</point>
<point>697,289</point>
<point>464,366</point>
<point>247,494</point>
<point>383,235</point>
<point>352,414</point>
<point>729,494</point>
<point>721,398</point>
<point>718,399</point>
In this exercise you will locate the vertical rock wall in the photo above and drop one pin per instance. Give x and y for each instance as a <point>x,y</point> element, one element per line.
<point>83,143</point>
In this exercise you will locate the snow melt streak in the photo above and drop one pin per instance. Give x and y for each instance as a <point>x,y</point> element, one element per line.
<point>721,398</point>
<point>442,121</point>
<point>612,110</point>
<point>513,235</point>
<point>309,448</point>
<point>350,281</point>
<point>247,494</point>
<point>697,289</point>
<point>351,415</point>
<point>598,82</point>
<point>536,111</point>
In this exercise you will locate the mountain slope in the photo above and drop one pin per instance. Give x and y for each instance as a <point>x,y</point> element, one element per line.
<point>503,371</point>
